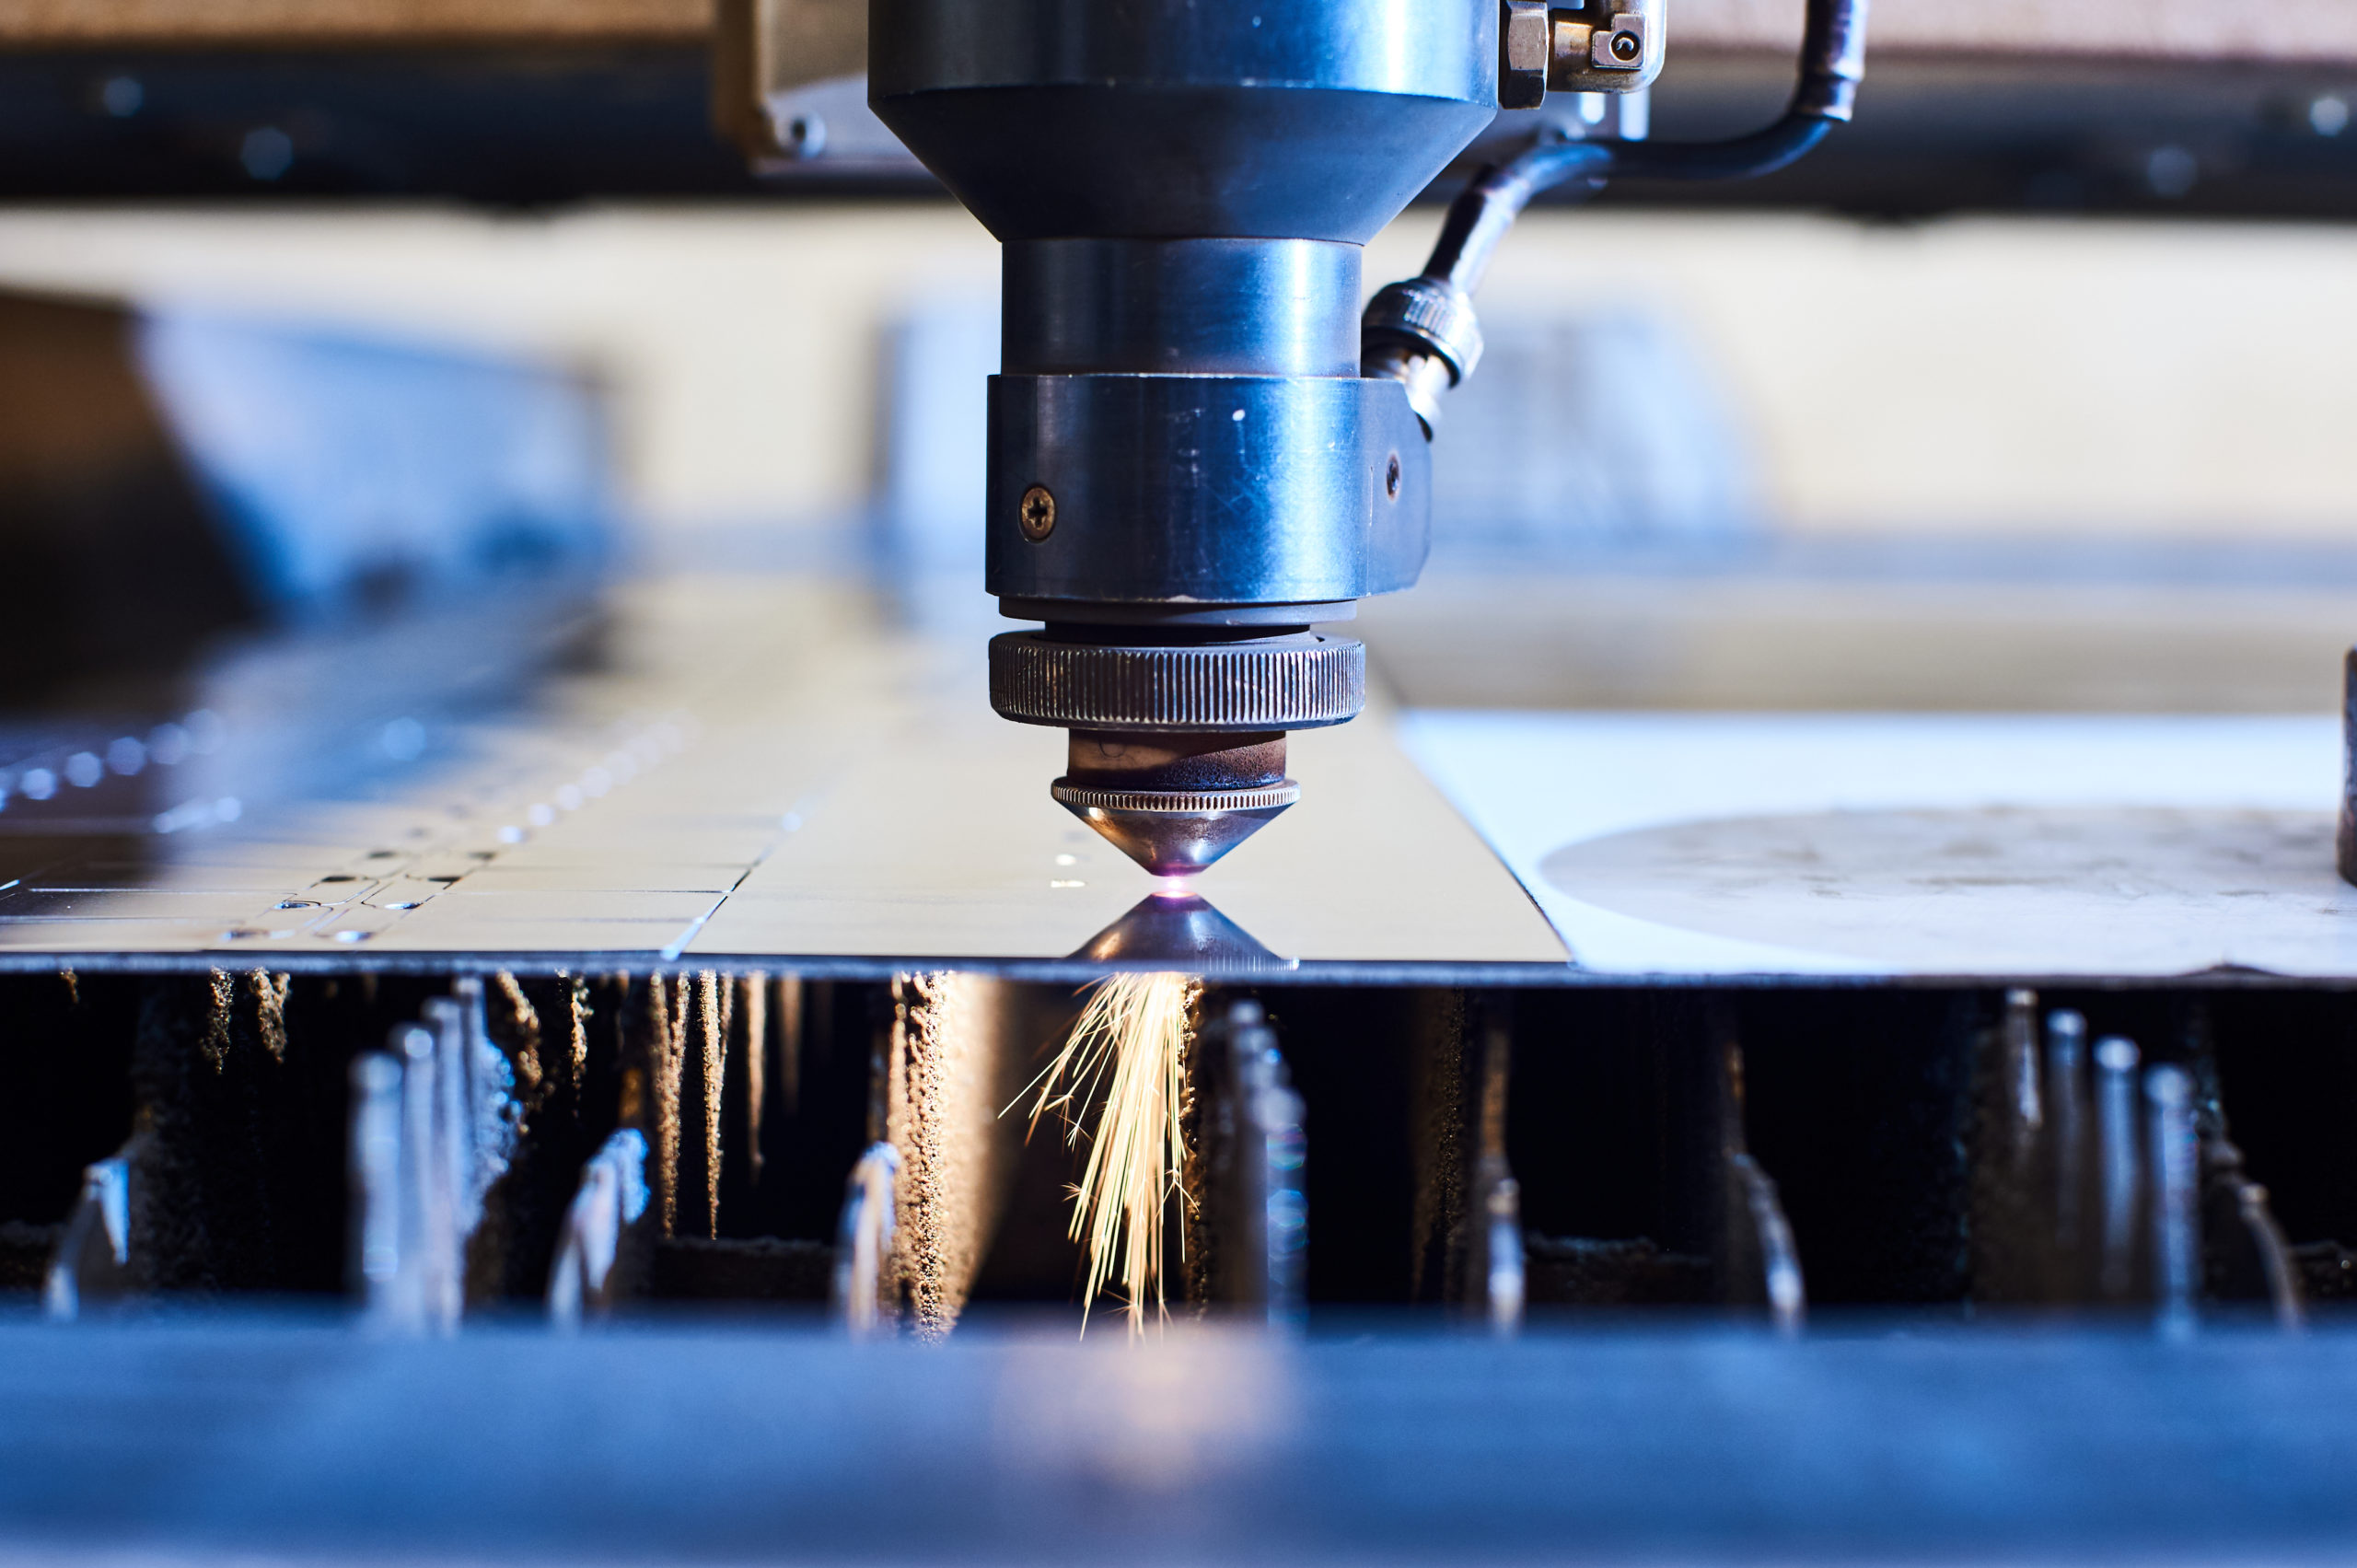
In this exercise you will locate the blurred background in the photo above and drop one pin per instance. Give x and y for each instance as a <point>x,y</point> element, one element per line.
<point>2043,399</point>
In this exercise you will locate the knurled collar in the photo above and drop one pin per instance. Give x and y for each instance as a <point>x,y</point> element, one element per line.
<point>1438,316</point>
<point>1295,682</point>
<point>1187,802</point>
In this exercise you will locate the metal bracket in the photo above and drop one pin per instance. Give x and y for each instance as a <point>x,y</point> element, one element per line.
<point>1608,46</point>
<point>789,83</point>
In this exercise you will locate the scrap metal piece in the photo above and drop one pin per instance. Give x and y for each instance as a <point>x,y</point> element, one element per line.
<point>1277,1118</point>
<point>2283,1271</point>
<point>612,1196</point>
<point>375,1154</point>
<point>1496,1280</point>
<point>2014,1255</point>
<point>1250,1229</point>
<point>102,1213</point>
<point>2176,1224</point>
<point>1502,1283</point>
<point>1756,1251</point>
<point>476,1096</point>
<point>2066,1044</point>
<point>1780,1259</point>
<point>2122,1166</point>
<point>427,1292</point>
<point>861,1300</point>
<point>2026,1106</point>
<point>434,1125</point>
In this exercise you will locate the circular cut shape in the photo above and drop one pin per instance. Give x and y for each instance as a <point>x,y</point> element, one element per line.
<point>1271,683</point>
<point>2090,890</point>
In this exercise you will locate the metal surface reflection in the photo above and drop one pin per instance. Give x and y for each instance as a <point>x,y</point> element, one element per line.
<point>1175,928</point>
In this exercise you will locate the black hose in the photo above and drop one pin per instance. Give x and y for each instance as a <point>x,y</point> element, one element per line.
<point>1833,54</point>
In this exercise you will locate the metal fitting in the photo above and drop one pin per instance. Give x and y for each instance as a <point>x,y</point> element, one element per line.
<point>1609,46</point>
<point>1437,317</point>
<point>1522,54</point>
<point>1422,332</point>
<point>1423,375</point>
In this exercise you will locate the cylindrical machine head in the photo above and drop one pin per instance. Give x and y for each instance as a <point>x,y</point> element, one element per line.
<point>1188,469</point>
<point>1183,119</point>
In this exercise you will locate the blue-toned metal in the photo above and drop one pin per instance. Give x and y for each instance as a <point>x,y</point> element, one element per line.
<point>237,1436</point>
<point>1206,307</point>
<point>1194,489</point>
<point>1184,118</point>
<point>1183,187</point>
<point>1183,444</point>
<point>1429,47</point>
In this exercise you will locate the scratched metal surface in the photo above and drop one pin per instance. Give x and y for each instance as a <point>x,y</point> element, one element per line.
<point>211,1442</point>
<point>754,769</point>
<point>1915,845</point>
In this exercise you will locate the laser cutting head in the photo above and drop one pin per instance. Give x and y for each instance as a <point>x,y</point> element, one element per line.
<point>1198,448</point>
<point>1187,468</point>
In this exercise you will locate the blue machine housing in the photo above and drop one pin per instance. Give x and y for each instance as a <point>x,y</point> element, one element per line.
<point>1183,190</point>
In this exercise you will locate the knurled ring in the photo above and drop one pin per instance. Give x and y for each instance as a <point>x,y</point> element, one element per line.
<point>1176,802</point>
<point>1289,683</point>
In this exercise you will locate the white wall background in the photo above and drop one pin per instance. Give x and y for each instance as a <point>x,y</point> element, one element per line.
<point>2027,375</point>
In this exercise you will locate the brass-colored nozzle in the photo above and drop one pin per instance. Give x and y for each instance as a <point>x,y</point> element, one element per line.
<point>1176,803</point>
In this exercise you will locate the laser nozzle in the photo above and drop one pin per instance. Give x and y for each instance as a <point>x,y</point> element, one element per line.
<point>1175,803</point>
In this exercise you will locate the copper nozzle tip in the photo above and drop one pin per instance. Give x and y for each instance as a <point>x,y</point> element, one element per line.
<point>1176,803</point>
<point>1176,832</point>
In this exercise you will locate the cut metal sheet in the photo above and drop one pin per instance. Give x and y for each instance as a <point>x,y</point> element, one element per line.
<point>1878,846</point>
<point>945,844</point>
<point>762,774</point>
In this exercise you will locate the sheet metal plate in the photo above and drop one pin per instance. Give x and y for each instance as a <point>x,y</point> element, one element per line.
<point>759,771</point>
<point>946,844</point>
<point>1896,845</point>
